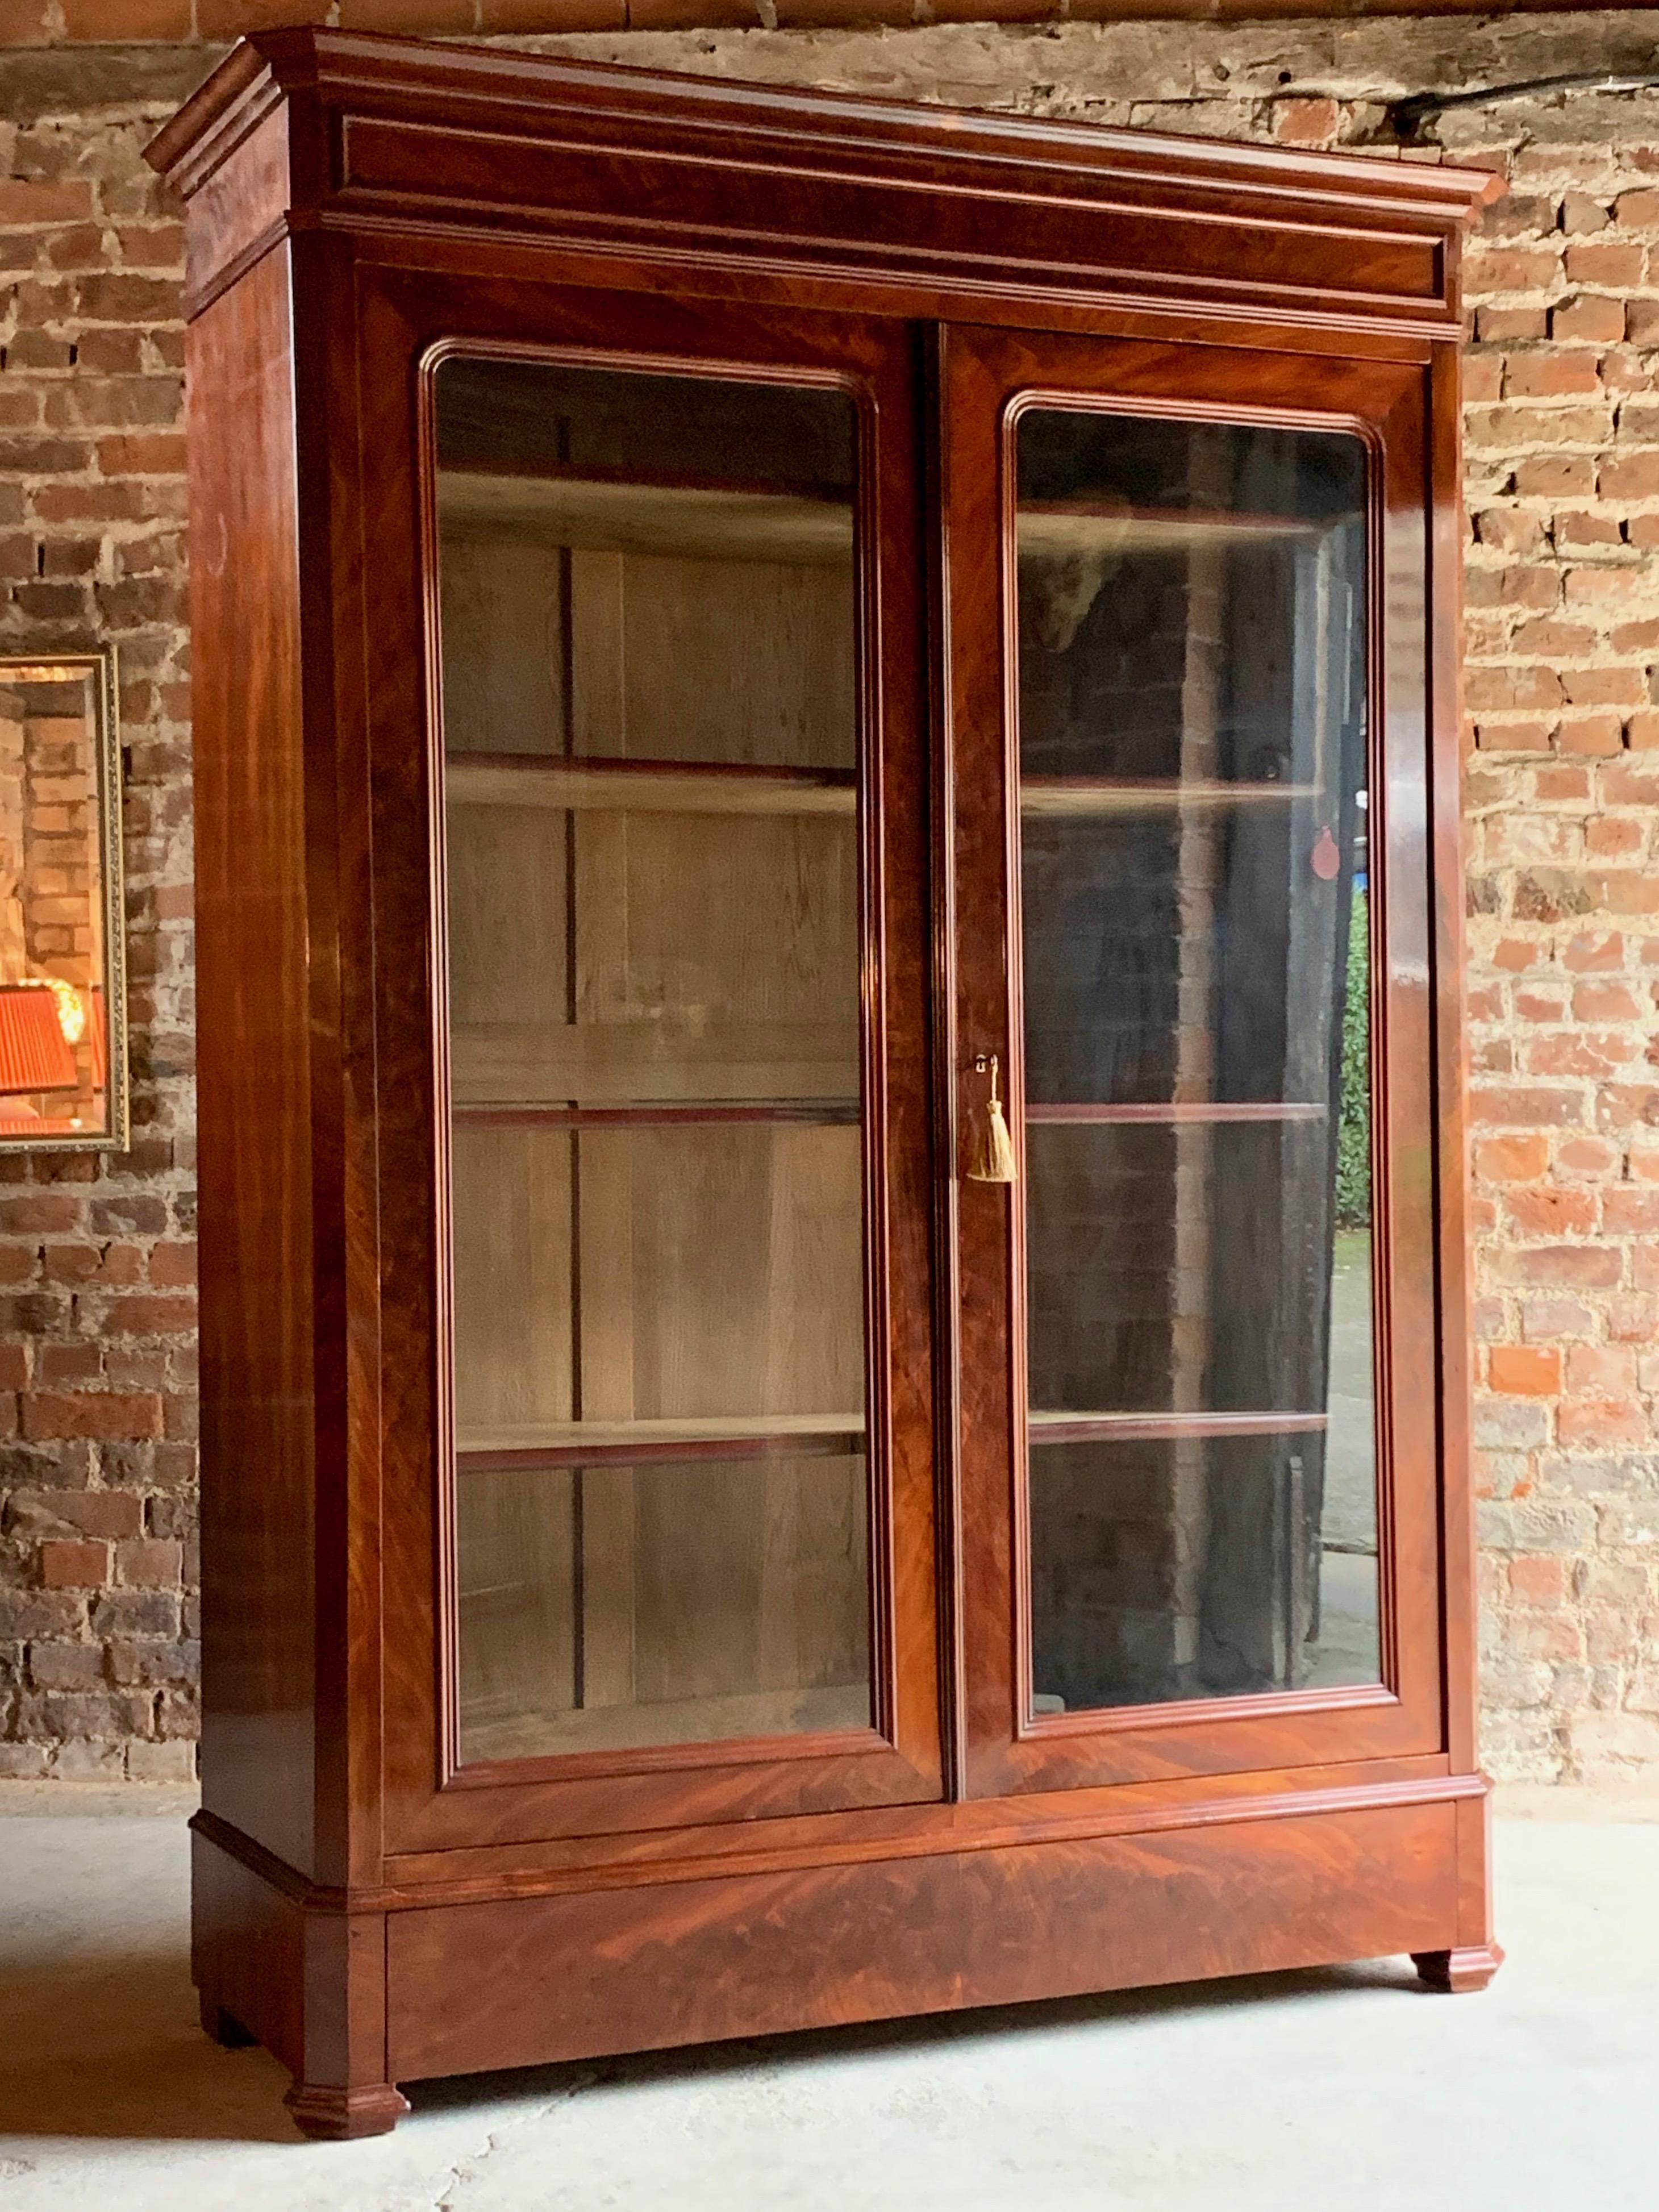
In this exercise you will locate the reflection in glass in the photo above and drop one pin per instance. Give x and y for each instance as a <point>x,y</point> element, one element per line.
<point>647,613</point>
<point>62,1018</point>
<point>1192,747</point>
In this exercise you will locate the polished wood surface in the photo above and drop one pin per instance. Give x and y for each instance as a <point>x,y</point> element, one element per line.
<point>260,1383</point>
<point>759,1954</point>
<point>369,1903</point>
<point>996,215</point>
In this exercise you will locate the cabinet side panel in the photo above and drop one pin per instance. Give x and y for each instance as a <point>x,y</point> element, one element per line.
<point>258,1382</point>
<point>533,1980</point>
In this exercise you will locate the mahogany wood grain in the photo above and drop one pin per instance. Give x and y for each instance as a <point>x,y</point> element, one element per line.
<point>365,1906</point>
<point>757,1954</point>
<point>990,373</point>
<point>260,1386</point>
<point>1455,1973</point>
<point>404,321</point>
<point>454,138</point>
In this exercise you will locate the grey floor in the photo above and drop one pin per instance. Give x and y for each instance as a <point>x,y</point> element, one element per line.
<point>1353,2090</point>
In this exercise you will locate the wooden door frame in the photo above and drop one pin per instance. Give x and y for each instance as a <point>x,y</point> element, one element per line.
<point>987,376</point>
<point>409,320</point>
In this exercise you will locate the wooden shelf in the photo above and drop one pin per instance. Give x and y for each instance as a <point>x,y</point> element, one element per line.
<point>717,522</point>
<point>1062,530</point>
<point>1071,796</point>
<point>556,1063</point>
<point>1065,1428</point>
<point>489,1737</point>
<point>1067,1114</point>
<point>811,1113</point>
<point>699,522</point>
<point>657,787</point>
<point>646,787</point>
<point>589,1444</point>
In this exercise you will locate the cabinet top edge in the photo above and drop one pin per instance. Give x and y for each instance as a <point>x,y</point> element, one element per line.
<point>467,86</point>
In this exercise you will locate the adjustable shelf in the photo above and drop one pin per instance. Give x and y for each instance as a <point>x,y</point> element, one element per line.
<point>1063,529</point>
<point>592,1443</point>
<point>1079,1114</point>
<point>813,1113</point>
<point>1042,797</point>
<point>590,514</point>
<point>626,1065</point>
<point>663,786</point>
<point>645,786</point>
<point>1066,1428</point>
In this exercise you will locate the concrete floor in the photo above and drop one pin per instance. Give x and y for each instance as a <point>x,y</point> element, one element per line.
<point>1353,2091</point>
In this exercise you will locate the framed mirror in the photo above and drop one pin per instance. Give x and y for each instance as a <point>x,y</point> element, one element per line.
<point>62,973</point>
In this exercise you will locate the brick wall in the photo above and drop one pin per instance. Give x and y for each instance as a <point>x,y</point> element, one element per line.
<point>95,1664</point>
<point>97,1261</point>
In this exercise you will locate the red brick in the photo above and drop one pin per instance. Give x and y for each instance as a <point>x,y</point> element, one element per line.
<point>1576,533</point>
<point>1510,268</point>
<point>142,453</point>
<point>1547,1213</point>
<point>149,1563</point>
<point>1614,836</point>
<point>1607,1422</point>
<point>1550,375</point>
<point>1604,1002</point>
<point>409,15</point>
<point>1604,686</point>
<point>1592,951</point>
<point>1630,475</point>
<point>110,21</point>
<point>1516,954</point>
<point>1611,263</point>
<point>1515,737</point>
<point>229,19</point>
<point>174,1264</point>
<point>1555,476</point>
<point>149,1316</point>
<point>48,1415</point>
<point>1632,1318</point>
<point>1599,734</point>
<point>1585,1052</point>
<point>40,1213</point>
<point>1544,1318</point>
<point>1626,1212</point>
<point>1512,1159</point>
<point>27,23</point>
<point>1519,1371</point>
<point>1589,319</point>
<point>73,1563</point>
<point>1586,1266</point>
<point>1599,1370</point>
<point>1499,325</point>
<point>1538,1578</point>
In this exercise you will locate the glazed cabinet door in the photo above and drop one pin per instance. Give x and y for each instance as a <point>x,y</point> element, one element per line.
<point>1188,715</point>
<point>662,1496</point>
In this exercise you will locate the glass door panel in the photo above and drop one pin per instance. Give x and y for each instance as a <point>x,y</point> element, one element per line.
<point>650,696</point>
<point>1192,748</point>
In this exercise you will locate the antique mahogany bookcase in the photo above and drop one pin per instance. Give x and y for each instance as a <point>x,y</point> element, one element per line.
<point>734,630</point>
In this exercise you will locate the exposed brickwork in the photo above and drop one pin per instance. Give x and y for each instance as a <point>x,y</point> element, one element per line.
<point>97,1260</point>
<point>1563,778</point>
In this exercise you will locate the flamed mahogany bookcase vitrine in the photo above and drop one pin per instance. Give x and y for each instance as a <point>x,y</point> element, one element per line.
<point>832,1235</point>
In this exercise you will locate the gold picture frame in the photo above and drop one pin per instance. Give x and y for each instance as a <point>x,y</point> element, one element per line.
<point>64,1072</point>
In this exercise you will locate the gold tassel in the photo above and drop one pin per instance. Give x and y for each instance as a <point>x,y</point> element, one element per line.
<point>993,1155</point>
